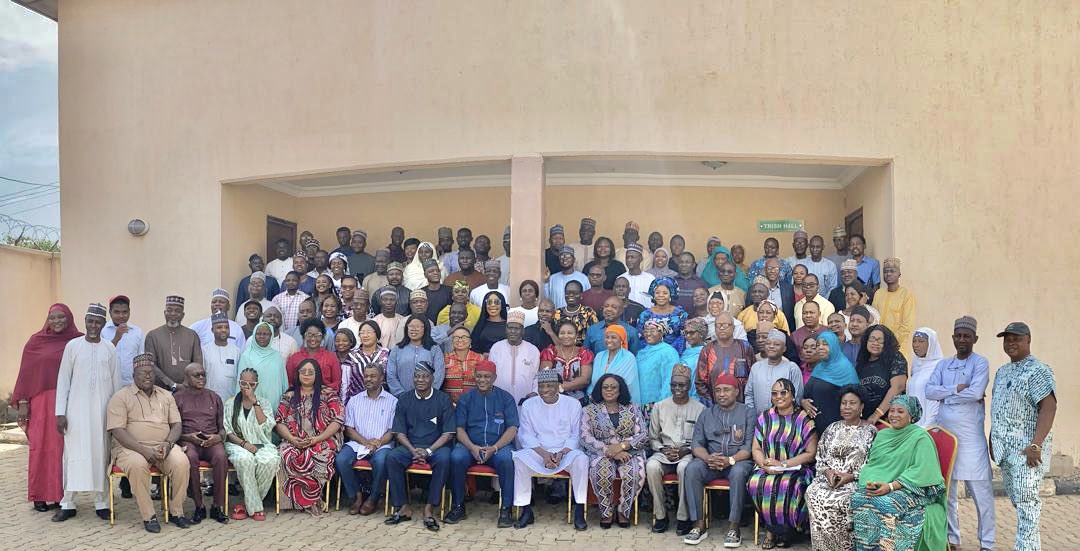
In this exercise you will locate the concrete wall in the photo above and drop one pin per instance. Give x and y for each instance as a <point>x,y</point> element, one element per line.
<point>975,103</point>
<point>243,231</point>
<point>31,284</point>
<point>871,191</point>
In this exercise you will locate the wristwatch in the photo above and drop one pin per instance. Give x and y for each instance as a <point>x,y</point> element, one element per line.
<point>783,464</point>
<point>172,388</point>
<point>731,461</point>
<point>427,450</point>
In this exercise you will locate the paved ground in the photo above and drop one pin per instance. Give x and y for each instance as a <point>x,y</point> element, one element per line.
<point>292,530</point>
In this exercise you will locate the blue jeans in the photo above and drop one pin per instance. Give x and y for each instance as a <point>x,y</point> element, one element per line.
<point>399,459</point>
<point>461,460</point>
<point>350,478</point>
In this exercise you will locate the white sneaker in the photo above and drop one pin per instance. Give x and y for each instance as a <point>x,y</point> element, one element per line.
<point>695,536</point>
<point>733,539</point>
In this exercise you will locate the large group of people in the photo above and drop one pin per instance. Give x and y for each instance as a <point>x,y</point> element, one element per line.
<point>802,385</point>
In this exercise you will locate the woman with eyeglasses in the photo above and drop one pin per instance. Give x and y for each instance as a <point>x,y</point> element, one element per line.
<point>461,364</point>
<point>882,371</point>
<point>783,449</point>
<point>248,427</point>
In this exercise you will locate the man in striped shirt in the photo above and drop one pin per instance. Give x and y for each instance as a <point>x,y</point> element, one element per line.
<point>368,417</point>
<point>288,301</point>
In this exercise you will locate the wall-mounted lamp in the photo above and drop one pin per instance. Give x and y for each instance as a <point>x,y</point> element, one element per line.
<point>137,227</point>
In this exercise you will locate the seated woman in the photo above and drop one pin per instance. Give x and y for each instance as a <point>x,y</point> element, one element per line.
<point>668,314</point>
<point>460,364</point>
<point>247,432</point>
<point>614,436</point>
<point>368,351</point>
<point>783,449</point>
<point>309,419</point>
<point>822,392</point>
<point>900,497</point>
<point>841,454</point>
<point>882,371</point>
<point>491,327</point>
<point>459,294</point>
<point>570,359</point>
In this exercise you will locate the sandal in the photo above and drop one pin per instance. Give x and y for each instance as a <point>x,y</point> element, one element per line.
<point>769,542</point>
<point>238,512</point>
<point>258,516</point>
<point>431,524</point>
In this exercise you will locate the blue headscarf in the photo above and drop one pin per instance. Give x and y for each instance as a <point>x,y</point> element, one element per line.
<point>673,287</point>
<point>711,275</point>
<point>836,369</point>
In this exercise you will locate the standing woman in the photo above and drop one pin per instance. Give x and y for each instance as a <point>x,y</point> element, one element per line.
<point>616,360</point>
<point>368,352</point>
<point>604,256</point>
<point>344,344</point>
<point>927,354</point>
<point>324,288</point>
<point>614,435</point>
<point>571,360</point>
<point>823,392</point>
<point>461,364</point>
<point>491,328</point>
<point>882,371</point>
<point>259,356</point>
<point>413,275</point>
<point>35,396</point>
<point>529,292</point>
<point>655,361</point>
<point>247,442</point>
<point>660,260</point>
<point>415,347</point>
<point>670,316</point>
<point>784,438</point>
<point>309,419</point>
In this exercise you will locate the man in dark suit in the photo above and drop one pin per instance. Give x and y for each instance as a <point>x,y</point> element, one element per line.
<point>780,288</point>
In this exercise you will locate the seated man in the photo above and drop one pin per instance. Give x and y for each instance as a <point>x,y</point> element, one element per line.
<point>145,425</point>
<point>202,437</point>
<point>368,417</point>
<point>423,425</point>
<point>721,447</point>
<point>549,442</point>
<point>487,422</point>
<point>671,427</point>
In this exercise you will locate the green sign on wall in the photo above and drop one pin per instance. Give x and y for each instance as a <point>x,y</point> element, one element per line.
<point>779,226</point>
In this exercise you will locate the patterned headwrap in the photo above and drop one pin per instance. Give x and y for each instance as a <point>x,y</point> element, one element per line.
<point>145,359</point>
<point>424,366</point>
<point>461,284</point>
<point>97,310</point>
<point>557,229</point>
<point>696,324</point>
<point>653,322</point>
<point>549,376</point>
<point>911,404</point>
<point>668,282</point>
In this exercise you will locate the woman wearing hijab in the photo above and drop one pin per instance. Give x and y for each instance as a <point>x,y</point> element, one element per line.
<point>660,260</point>
<point>655,361</point>
<point>711,275</point>
<point>927,354</point>
<point>413,275</point>
<point>260,356</point>
<point>616,360</point>
<point>822,393</point>
<point>35,398</point>
<point>900,498</point>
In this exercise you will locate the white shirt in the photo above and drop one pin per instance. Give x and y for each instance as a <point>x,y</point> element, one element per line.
<point>279,269</point>
<point>532,315</point>
<point>639,288</point>
<point>131,344</point>
<point>515,367</point>
<point>477,295</point>
<point>205,329</point>
<point>240,315</point>
<point>504,267</point>
<point>220,363</point>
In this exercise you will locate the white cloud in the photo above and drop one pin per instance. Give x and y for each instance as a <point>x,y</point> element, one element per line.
<point>26,38</point>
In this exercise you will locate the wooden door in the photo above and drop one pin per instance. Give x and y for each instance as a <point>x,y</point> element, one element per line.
<point>853,222</point>
<point>276,229</point>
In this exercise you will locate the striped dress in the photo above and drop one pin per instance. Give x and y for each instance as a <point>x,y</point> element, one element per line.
<point>779,497</point>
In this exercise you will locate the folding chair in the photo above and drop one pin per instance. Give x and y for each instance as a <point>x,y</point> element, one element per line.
<point>722,484</point>
<point>115,473</point>
<point>421,469</point>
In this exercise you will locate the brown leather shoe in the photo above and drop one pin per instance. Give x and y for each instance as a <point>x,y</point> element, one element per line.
<point>368,507</point>
<point>355,507</point>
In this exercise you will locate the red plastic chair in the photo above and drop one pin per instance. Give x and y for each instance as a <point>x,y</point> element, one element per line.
<point>946,444</point>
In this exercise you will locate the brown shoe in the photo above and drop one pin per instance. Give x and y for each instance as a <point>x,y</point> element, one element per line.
<point>355,507</point>
<point>368,507</point>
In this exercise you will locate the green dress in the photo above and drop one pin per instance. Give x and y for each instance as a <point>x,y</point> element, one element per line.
<point>255,471</point>
<point>912,517</point>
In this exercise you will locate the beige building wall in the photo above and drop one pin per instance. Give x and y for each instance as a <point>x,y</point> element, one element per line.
<point>975,103</point>
<point>872,192</point>
<point>31,284</point>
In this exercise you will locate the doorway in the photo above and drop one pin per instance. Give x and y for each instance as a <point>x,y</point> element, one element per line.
<point>277,228</point>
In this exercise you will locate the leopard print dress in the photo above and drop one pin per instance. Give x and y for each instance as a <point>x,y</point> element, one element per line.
<point>843,448</point>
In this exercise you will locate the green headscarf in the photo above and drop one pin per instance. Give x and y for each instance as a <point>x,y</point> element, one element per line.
<point>711,275</point>
<point>270,366</point>
<point>909,455</point>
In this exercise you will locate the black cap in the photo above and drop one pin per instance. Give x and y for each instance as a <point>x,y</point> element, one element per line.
<point>1015,328</point>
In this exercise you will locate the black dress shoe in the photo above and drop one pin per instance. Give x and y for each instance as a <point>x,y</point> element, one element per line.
<point>579,517</point>
<point>63,514</point>
<point>152,525</point>
<point>217,514</point>
<point>456,514</point>
<point>506,518</point>
<point>431,524</point>
<point>180,521</point>
<point>623,523</point>
<point>198,515</point>
<point>525,518</point>
<point>603,525</point>
<point>125,488</point>
<point>40,506</point>
<point>660,525</point>
<point>397,518</point>
<point>102,514</point>
<point>682,527</point>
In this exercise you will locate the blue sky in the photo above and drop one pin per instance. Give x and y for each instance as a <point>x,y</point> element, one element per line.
<point>29,139</point>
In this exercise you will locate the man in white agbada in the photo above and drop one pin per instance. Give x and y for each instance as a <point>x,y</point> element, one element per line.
<point>221,358</point>
<point>765,372</point>
<point>89,375</point>
<point>549,442</point>
<point>220,301</point>
<point>516,360</point>
<point>960,383</point>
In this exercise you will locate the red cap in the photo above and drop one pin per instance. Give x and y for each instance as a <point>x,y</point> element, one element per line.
<point>115,298</point>
<point>726,379</point>
<point>485,365</point>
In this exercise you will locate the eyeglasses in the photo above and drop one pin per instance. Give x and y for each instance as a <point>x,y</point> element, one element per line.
<point>461,337</point>
<point>876,340</point>
<point>245,384</point>
<point>724,325</point>
<point>780,393</point>
<point>199,375</point>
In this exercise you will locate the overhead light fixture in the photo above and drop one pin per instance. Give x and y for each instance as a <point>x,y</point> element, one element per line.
<point>714,164</point>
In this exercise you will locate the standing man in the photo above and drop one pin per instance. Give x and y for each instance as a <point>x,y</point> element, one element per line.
<point>820,266</point>
<point>255,264</point>
<point>840,242</point>
<point>395,275</point>
<point>221,358</point>
<point>172,346</point>
<point>553,254</point>
<point>373,281</point>
<point>482,248</point>
<point>282,262</point>
<point>492,273</point>
<point>781,293</point>
<point>687,281</point>
<point>896,305</point>
<point>438,295</point>
<point>464,241</point>
<point>397,251</point>
<point>631,310</point>
<point>1021,418</point>
<point>869,268</point>
<point>639,280</point>
<point>444,243</point>
<point>555,290</point>
<point>504,260</point>
<point>960,384</point>
<point>542,333</point>
<point>145,425</point>
<point>219,302</point>
<point>516,361</point>
<point>811,294</point>
<point>89,374</point>
<point>126,337</point>
<point>360,262</point>
<point>342,234</point>
<point>202,438</point>
<point>726,355</point>
<point>611,311</point>
<point>256,293</point>
<point>849,274</point>
<point>583,250</point>
<point>487,422</point>
<point>671,430</point>
<point>766,371</point>
<point>771,251</point>
<point>800,242</point>
<point>288,301</point>
<point>596,295</point>
<point>467,261</point>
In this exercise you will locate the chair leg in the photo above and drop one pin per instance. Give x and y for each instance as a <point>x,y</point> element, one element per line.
<point>165,495</point>
<point>636,507</point>
<point>705,507</point>
<point>226,511</point>
<point>277,494</point>
<point>326,502</point>
<point>386,499</point>
<point>569,508</point>
<point>756,519</point>
<point>337,506</point>
<point>112,507</point>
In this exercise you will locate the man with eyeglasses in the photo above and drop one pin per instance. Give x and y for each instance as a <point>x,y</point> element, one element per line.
<point>671,428</point>
<point>765,372</point>
<point>202,437</point>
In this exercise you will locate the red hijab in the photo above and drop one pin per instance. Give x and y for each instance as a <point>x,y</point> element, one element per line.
<point>41,357</point>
